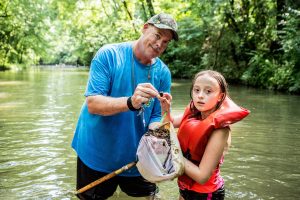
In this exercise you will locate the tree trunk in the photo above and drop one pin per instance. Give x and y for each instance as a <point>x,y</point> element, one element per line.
<point>275,46</point>
<point>280,11</point>
<point>218,47</point>
<point>150,7</point>
<point>130,16</point>
<point>145,16</point>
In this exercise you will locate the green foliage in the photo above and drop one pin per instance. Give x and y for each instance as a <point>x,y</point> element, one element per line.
<point>21,28</point>
<point>290,42</point>
<point>279,69</point>
<point>253,42</point>
<point>184,57</point>
<point>259,72</point>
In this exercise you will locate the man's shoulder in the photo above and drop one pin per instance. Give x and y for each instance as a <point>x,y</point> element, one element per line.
<point>117,46</point>
<point>113,49</point>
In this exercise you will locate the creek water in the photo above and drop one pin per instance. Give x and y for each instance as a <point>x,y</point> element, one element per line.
<point>38,114</point>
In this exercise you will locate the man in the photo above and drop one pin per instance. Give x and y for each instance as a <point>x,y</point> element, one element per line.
<point>121,105</point>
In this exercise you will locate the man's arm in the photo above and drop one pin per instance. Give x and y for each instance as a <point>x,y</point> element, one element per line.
<point>103,105</point>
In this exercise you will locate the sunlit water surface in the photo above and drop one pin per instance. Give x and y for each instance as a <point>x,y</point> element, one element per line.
<point>38,114</point>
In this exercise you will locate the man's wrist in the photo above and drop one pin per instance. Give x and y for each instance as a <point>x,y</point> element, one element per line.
<point>130,106</point>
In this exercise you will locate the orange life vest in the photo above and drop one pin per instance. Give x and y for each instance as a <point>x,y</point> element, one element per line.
<point>193,135</point>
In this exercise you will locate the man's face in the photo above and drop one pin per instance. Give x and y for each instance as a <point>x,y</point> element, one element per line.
<point>155,40</point>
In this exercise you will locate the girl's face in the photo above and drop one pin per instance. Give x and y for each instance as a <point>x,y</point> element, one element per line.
<point>206,94</point>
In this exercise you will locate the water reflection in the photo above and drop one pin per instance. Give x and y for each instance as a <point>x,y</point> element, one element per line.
<point>39,110</point>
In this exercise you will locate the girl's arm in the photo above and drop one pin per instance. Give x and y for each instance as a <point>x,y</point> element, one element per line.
<point>211,157</point>
<point>175,120</point>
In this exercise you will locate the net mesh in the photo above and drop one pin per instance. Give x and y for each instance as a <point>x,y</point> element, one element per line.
<point>159,154</point>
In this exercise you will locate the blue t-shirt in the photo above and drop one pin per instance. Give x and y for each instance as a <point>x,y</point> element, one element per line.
<point>106,143</point>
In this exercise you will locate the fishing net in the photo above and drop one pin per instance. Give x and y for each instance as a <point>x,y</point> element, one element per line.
<point>159,154</point>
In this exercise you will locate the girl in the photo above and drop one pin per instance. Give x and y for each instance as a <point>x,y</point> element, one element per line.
<point>204,135</point>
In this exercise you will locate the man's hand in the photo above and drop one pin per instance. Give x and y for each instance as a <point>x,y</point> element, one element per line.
<point>142,94</point>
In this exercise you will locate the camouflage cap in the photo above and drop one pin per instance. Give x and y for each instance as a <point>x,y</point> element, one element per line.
<point>164,21</point>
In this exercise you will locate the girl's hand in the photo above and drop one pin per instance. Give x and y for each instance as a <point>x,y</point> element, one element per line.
<point>165,102</point>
